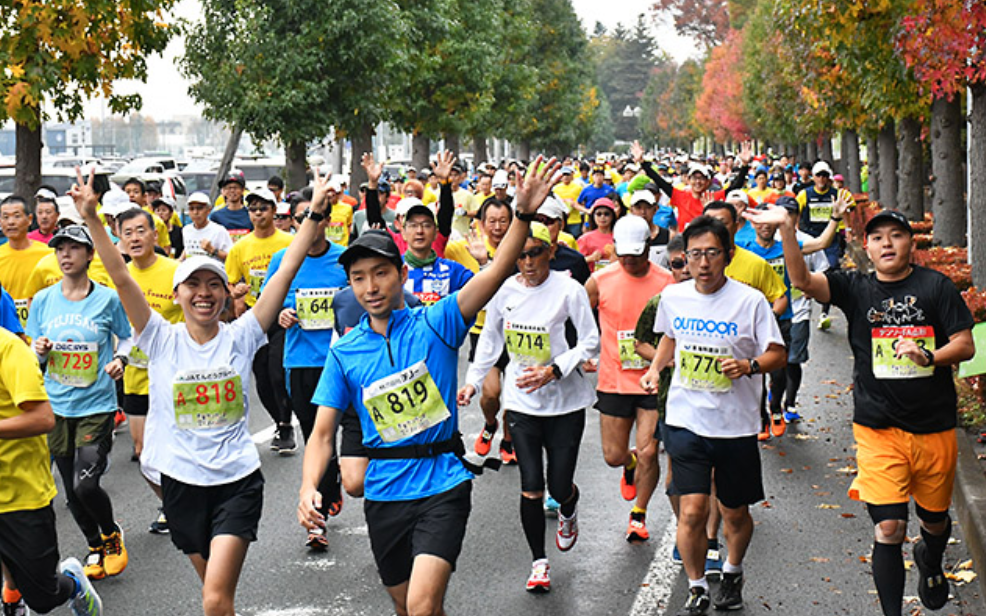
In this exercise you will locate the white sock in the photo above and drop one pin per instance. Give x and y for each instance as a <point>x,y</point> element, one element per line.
<point>730,568</point>
<point>700,582</point>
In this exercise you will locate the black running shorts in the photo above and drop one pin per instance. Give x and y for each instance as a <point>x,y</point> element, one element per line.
<point>736,462</point>
<point>135,404</point>
<point>624,405</point>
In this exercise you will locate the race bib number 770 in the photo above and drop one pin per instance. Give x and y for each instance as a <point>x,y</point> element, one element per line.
<point>700,367</point>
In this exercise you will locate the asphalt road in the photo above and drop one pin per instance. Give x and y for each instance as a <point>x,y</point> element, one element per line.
<point>809,554</point>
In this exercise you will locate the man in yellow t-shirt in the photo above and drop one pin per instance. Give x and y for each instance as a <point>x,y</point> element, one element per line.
<point>466,206</point>
<point>27,522</point>
<point>568,191</point>
<point>47,273</point>
<point>136,189</point>
<point>246,267</point>
<point>20,254</point>
<point>340,216</point>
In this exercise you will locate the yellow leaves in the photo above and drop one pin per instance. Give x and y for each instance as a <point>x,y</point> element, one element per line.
<point>827,506</point>
<point>19,97</point>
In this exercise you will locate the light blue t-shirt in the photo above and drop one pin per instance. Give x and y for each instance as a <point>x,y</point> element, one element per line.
<point>305,345</point>
<point>89,325</point>
<point>419,340</point>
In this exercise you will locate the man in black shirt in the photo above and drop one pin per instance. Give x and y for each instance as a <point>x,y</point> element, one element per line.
<point>907,327</point>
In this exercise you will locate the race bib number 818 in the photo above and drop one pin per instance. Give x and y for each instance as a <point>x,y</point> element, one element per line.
<point>207,398</point>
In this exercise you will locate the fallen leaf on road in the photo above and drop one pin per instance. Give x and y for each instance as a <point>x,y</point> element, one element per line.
<point>805,437</point>
<point>766,505</point>
<point>782,453</point>
<point>908,564</point>
<point>823,493</point>
<point>819,559</point>
<point>863,559</point>
<point>787,470</point>
<point>848,470</point>
<point>833,396</point>
<point>830,382</point>
<point>827,506</point>
<point>965,564</point>
<point>961,577</point>
<point>849,515</point>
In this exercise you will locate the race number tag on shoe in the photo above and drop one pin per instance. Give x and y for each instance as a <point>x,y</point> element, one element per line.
<point>21,305</point>
<point>256,280</point>
<point>75,364</point>
<point>629,360</point>
<point>700,367</point>
<point>137,358</point>
<point>314,308</point>
<point>527,345</point>
<point>207,398</point>
<point>886,365</point>
<point>404,404</point>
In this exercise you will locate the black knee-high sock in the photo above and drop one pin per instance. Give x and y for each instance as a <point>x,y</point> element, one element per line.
<point>888,575</point>
<point>794,374</point>
<point>937,543</point>
<point>532,519</point>
<point>567,508</point>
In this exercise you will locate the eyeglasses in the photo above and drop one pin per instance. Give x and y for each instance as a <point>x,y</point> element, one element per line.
<point>423,226</point>
<point>677,263</point>
<point>709,253</point>
<point>254,209</point>
<point>533,253</point>
<point>282,216</point>
<point>545,220</point>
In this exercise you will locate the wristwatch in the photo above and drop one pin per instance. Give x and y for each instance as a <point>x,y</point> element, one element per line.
<point>754,367</point>
<point>527,217</point>
<point>313,215</point>
<point>930,355</point>
<point>555,370</point>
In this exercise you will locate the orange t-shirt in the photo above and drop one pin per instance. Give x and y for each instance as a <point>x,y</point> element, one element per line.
<point>622,298</point>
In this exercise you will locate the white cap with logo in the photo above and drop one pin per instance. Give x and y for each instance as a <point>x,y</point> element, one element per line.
<point>630,236</point>
<point>193,264</point>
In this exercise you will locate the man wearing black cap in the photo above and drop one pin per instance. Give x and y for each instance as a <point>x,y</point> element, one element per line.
<point>907,327</point>
<point>397,369</point>
<point>234,215</point>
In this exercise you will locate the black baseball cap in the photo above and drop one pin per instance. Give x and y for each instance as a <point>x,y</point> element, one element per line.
<point>74,233</point>
<point>374,242</point>
<point>889,216</point>
<point>788,203</point>
<point>234,176</point>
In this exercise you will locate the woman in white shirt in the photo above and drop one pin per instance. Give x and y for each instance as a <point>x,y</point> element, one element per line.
<point>545,392</point>
<point>196,436</point>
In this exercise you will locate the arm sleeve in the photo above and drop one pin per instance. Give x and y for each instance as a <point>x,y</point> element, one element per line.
<point>739,180</point>
<point>665,186</point>
<point>767,330</point>
<point>587,347</point>
<point>120,325</point>
<point>150,338</point>
<point>21,375</point>
<point>373,214</point>
<point>840,287</point>
<point>488,348</point>
<point>661,324</point>
<point>955,314</point>
<point>644,332</point>
<point>233,271</point>
<point>446,320</point>
<point>446,210</point>
<point>223,240</point>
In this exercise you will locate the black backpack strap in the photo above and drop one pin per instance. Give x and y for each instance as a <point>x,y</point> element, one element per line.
<point>453,445</point>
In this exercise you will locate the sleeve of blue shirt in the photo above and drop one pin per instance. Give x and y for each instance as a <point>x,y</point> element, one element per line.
<point>33,326</point>
<point>446,320</point>
<point>460,276</point>
<point>583,196</point>
<point>8,314</point>
<point>120,324</point>
<point>334,389</point>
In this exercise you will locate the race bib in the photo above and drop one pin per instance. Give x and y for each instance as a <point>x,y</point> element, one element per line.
<point>337,233</point>
<point>820,212</point>
<point>629,360</point>
<point>256,280</point>
<point>404,404</point>
<point>74,364</point>
<point>238,234</point>
<point>21,306</point>
<point>314,307</point>
<point>207,398</point>
<point>527,345</point>
<point>778,266</point>
<point>699,367</point>
<point>886,365</point>
<point>137,358</point>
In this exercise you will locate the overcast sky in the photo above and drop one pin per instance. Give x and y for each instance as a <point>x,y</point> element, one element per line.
<point>165,93</point>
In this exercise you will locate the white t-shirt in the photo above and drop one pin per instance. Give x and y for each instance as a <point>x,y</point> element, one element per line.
<point>734,322</point>
<point>816,262</point>
<point>530,321</point>
<point>196,430</point>
<point>217,235</point>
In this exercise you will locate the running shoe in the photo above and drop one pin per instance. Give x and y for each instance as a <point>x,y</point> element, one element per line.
<point>17,608</point>
<point>713,562</point>
<point>676,556</point>
<point>568,531</point>
<point>335,507</point>
<point>539,581</point>
<point>94,568</point>
<point>507,454</point>
<point>824,321</point>
<point>551,506</point>
<point>730,593</point>
<point>777,425</point>
<point>637,528</point>
<point>485,439</point>
<point>317,541</point>
<point>283,442</point>
<point>628,488</point>
<point>119,420</point>
<point>791,415</point>
<point>86,601</point>
<point>932,585</point>
<point>160,525</point>
<point>115,553</point>
<point>764,434</point>
<point>697,603</point>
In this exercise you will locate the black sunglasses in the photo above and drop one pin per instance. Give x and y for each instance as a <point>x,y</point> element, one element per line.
<point>677,263</point>
<point>533,253</point>
<point>282,216</point>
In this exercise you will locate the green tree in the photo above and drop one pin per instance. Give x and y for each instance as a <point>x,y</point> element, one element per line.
<point>668,117</point>
<point>63,52</point>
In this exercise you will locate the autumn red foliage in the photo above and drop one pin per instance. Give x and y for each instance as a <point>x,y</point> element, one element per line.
<point>720,109</point>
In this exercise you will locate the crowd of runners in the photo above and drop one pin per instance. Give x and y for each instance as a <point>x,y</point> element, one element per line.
<point>671,295</point>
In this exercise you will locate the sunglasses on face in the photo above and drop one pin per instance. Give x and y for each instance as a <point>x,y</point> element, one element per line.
<point>282,216</point>
<point>254,209</point>
<point>533,253</point>
<point>677,263</point>
<point>545,220</point>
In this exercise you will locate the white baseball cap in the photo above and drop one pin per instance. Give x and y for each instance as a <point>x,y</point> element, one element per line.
<point>264,194</point>
<point>283,208</point>
<point>500,179</point>
<point>643,195</point>
<point>193,264</point>
<point>699,168</point>
<point>405,205</point>
<point>738,195</point>
<point>821,167</point>
<point>553,208</point>
<point>198,197</point>
<point>115,202</point>
<point>630,235</point>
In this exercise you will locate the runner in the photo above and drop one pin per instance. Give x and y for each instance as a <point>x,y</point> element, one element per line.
<point>204,237</point>
<point>233,215</point>
<point>644,204</point>
<point>73,324</point>
<point>545,391</point>
<point>20,254</point>
<point>283,220</point>
<point>28,541</point>
<point>907,326</point>
<point>619,294</point>
<point>596,244</point>
<point>246,267</point>
<point>717,332</point>
<point>208,464</point>
<point>417,505</point>
<point>46,215</point>
<point>564,258</point>
<point>587,196</point>
<point>136,189</point>
<point>164,209</point>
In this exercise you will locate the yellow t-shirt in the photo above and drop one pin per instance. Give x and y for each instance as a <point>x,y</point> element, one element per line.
<point>759,195</point>
<point>430,196</point>
<point>458,251</point>
<point>15,272</point>
<point>340,224</point>
<point>248,260</point>
<point>568,240</point>
<point>155,282</point>
<point>753,271</point>
<point>163,239</point>
<point>569,193</point>
<point>26,483</point>
<point>465,203</point>
<point>47,273</point>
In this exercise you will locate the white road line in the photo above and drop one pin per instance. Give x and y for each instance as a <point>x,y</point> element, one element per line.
<point>262,436</point>
<point>655,589</point>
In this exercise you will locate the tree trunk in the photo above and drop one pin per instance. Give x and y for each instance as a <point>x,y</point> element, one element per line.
<point>420,151</point>
<point>811,153</point>
<point>452,145</point>
<point>850,145</point>
<point>873,165</point>
<point>977,184</point>
<point>888,165</point>
<point>295,160</point>
<point>27,170</point>
<point>825,149</point>
<point>524,151</point>
<point>910,193</point>
<point>948,203</point>
<point>479,153</point>
<point>362,140</point>
<point>232,144</point>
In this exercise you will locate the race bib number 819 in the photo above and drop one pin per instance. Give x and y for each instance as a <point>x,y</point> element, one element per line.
<point>404,404</point>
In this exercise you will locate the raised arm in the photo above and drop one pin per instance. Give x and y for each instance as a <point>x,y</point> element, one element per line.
<point>815,285</point>
<point>638,155</point>
<point>374,216</point>
<point>127,288</point>
<point>446,202</point>
<point>532,190</point>
<point>824,240</point>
